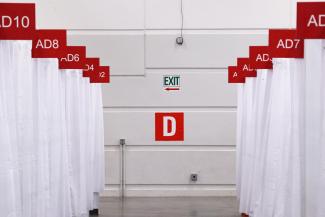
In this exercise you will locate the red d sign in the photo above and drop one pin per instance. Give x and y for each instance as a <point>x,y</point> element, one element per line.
<point>169,126</point>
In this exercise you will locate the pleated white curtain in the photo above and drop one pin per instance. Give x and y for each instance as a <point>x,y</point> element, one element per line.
<point>281,190</point>
<point>281,138</point>
<point>315,128</point>
<point>85,141</point>
<point>261,105</point>
<point>246,147</point>
<point>253,102</point>
<point>51,137</point>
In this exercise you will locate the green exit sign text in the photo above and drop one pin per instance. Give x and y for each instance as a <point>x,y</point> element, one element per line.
<point>172,81</point>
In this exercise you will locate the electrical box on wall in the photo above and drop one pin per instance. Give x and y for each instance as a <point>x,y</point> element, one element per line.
<point>194,177</point>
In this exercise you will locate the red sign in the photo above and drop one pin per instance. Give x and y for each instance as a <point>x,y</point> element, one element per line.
<point>49,43</point>
<point>17,21</point>
<point>100,75</point>
<point>169,126</point>
<point>91,64</point>
<point>285,44</point>
<point>311,20</point>
<point>72,57</point>
<point>235,76</point>
<point>260,57</point>
<point>244,66</point>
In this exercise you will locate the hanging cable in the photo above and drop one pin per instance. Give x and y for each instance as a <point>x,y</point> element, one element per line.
<point>182,14</point>
<point>180,39</point>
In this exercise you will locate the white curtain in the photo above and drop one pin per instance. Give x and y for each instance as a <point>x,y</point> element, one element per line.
<point>75,142</point>
<point>281,138</point>
<point>281,193</point>
<point>315,128</point>
<point>51,137</point>
<point>262,95</point>
<point>85,141</point>
<point>9,156</point>
<point>253,102</point>
<point>97,142</point>
<point>246,142</point>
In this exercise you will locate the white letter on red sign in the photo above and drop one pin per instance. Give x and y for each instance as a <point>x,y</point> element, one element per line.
<point>262,58</point>
<point>313,20</point>
<point>321,17</point>
<point>172,120</point>
<point>9,22</point>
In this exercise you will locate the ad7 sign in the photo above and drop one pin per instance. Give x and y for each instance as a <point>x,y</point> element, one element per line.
<point>285,44</point>
<point>169,126</point>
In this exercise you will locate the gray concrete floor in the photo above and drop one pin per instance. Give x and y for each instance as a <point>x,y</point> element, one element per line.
<point>170,207</point>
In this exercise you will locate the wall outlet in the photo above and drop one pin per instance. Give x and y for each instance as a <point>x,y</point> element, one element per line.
<point>194,177</point>
<point>180,40</point>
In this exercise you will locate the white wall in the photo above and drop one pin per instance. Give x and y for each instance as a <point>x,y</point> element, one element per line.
<point>137,38</point>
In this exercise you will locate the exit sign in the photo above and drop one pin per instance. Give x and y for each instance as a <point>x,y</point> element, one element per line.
<point>172,82</point>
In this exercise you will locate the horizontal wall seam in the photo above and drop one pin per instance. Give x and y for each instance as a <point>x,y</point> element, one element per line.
<point>172,29</point>
<point>208,108</point>
<point>169,148</point>
<point>188,68</point>
<point>174,185</point>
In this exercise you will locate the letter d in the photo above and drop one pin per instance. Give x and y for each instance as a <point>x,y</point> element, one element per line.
<point>6,21</point>
<point>172,121</point>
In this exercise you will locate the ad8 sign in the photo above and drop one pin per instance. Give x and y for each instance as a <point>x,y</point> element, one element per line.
<point>49,43</point>
<point>17,21</point>
<point>311,20</point>
<point>285,44</point>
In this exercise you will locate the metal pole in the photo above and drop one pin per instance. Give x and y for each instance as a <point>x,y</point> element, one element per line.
<point>122,170</point>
